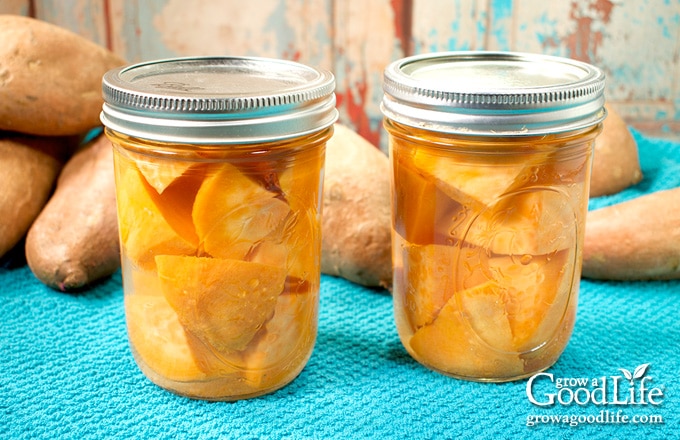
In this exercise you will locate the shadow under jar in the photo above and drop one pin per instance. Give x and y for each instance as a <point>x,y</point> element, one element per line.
<point>491,155</point>
<point>218,166</point>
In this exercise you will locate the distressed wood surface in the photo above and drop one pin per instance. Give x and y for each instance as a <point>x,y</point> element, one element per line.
<point>636,43</point>
<point>16,7</point>
<point>365,41</point>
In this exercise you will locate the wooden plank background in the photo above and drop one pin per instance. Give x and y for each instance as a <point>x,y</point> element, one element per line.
<point>637,43</point>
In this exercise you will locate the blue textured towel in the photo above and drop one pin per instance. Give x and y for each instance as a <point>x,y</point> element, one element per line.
<point>66,371</point>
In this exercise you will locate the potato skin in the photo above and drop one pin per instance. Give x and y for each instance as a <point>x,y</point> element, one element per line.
<point>50,78</point>
<point>29,167</point>
<point>616,164</point>
<point>74,241</point>
<point>634,240</point>
<point>356,220</point>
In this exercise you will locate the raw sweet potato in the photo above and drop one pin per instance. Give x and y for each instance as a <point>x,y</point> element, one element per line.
<point>50,78</point>
<point>635,240</point>
<point>29,166</point>
<point>356,211</point>
<point>616,164</point>
<point>74,240</point>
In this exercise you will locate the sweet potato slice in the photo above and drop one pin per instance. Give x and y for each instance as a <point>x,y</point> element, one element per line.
<point>288,335</point>
<point>233,213</point>
<point>535,293</point>
<point>144,230</point>
<point>465,180</point>
<point>222,302</point>
<point>525,222</point>
<point>163,345</point>
<point>469,338</point>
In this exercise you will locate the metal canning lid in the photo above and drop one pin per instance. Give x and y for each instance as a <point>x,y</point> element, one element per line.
<point>218,100</point>
<point>493,93</point>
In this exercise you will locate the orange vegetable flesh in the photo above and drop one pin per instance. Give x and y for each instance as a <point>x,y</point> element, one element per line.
<point>176,202</point>
<point>470,179</point>
<point>144,231</point>
<point>422,204</point>
<point>220,266</point>
<point>464,339</point>
<point>485,248</point>
<point>159,173</point>
<point>232,213</point>
<point>222,302</point>
<point>291,246</point>
<point>282,341</point>
<point>165,346</point>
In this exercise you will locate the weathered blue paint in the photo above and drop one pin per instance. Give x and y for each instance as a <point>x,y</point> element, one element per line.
<point>84,18</point>
<point>637,43</point>
<point>143,41</point>
<point>501,21</point>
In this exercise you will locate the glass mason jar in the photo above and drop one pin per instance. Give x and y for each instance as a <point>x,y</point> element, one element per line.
<point>218,166</point>
<point>491,156</point>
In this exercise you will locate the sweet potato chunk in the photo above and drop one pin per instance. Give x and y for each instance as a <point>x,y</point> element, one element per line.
<point>283,337</point>
<point>162,343</point>
<point>144,230</point>
<point>233,213</point>
<point>470,337</point>
<point>222,302</point>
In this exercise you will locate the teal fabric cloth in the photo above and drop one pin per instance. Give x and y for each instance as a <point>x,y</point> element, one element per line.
<point>66,370</point>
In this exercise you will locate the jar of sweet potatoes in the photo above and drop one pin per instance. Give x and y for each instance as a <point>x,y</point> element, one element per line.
<point>218,166</point>
<point>491,155</point>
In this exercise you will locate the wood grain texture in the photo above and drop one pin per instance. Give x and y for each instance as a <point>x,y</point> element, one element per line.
<point>15,7</point>
<point>444,25</point>
<point>365,41</point>
<point>637,44</point>
<point>84,17</point>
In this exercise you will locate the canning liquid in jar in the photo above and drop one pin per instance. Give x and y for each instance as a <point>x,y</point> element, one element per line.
<point>490,190</point>
<point>218,165</point>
